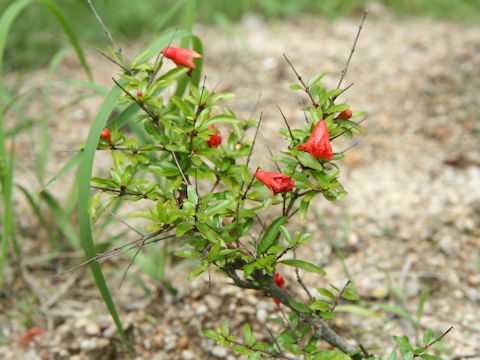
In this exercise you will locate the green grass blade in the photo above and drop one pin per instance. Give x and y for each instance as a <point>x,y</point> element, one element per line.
<point>6,164</point>
<point>100,90</point>
<point>34,204</point>
<point>67,28</point>
<point>169,14</point>
<point>7,231</point>
<point>85,173</point>
<point>42,156</point>
<point>62,220</point>
<point>74,161</point>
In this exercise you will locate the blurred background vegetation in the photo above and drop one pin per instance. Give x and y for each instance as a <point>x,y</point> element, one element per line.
<point>35,35</point>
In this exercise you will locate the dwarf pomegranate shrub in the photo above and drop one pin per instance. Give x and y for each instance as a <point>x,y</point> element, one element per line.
<point>191,171</point>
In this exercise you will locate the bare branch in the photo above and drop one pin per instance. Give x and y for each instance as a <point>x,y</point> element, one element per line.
<point>345,69</point>
<point>339,297</point>
<point>306,88</point>
<point>118,50</point>
<point>299,279</point>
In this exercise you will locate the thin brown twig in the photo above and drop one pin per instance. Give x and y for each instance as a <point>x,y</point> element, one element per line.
<point>139,103</point>
<point>286,123</point>
<point>299,279</point>
<point>348,129</point>
<point>345,69</point>
<point>254,140</point>
<point>355,143</point>
<point>179,168</point>
<point>118,250</point>
<point>343,90</point>
<point>118,50</point>
<point>121,192</point>
<point>435,341</point>
<point>339,297</point>
<point>122,221</point>
<point>306,88</point>
<point>114,61</point>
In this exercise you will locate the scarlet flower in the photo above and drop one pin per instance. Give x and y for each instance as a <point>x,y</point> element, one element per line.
<point>180,56</point>
<point>276,182</point>
<point>215,139</point>
<point>105,135</point>
<point>139,94</point>
<point>345,114</point>
<point>280,283</point>
<point>27,337</point>
<point>318,144</point>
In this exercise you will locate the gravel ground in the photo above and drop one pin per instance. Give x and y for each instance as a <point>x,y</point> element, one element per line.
<point>411,220</point>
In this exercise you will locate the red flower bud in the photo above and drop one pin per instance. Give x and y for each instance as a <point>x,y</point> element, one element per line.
<point>105,135</point>
<point>180,56</point>
<point>27,337</point>
<point>345,114</point>
<point>318,144</point>
<point>280,283</point>
<point>139,94</point>
<point>276,182</point>
<point>215,139</point>
<point>279,280</point>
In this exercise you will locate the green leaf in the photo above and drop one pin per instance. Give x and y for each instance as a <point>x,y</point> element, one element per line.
<point>404,344</point>
<point>336,108</point>
<point>304,265</point>
<point>188,253</point>
<point>393,356</point>
<point>296,87</point>
<point>182,228</point>
<point>315,79</point>
<point>427,336</point>
<point>320,305</point>
<point>326,315</point>
<point>212,334</point>
<point>300,307</point>
<point>286,234</point>
<point>224,329</point>
<point>326,293</point>
<point>430,357</point>
<point>192,194</point>
<point>307,160</point>
<point>248,269</point>
<point>212,255</point>
<point>286,337</point>
<point>331,355</point>
<point>271,234</point>
<point>409,355</point>
<point>206,231</point>
<point>195,273</point>
<point>249,337</point>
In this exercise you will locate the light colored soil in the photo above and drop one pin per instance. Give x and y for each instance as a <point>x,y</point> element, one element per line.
<point>411,220</point>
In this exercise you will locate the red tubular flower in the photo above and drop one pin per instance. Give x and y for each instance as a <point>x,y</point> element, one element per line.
<point>345,114</point>
<point>27,337</point>
<point>279,280</point>
<point>318,144</point>
<point>280,283</point>
<point>105,135</point>
<point>180,56</point>
<point>215,139</point>
<point>276,182</point>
